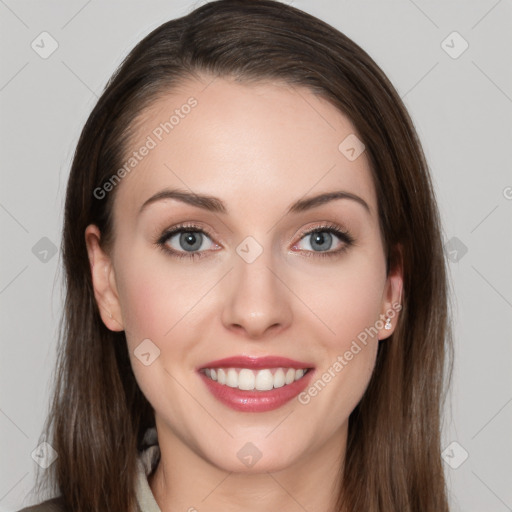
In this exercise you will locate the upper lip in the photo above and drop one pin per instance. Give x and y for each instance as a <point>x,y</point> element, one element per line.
<point>256,362</point>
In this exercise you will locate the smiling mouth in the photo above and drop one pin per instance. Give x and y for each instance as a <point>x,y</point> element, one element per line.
<point>246,379</point>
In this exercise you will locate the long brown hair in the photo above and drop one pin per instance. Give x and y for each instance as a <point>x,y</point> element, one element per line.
<point>98,414</point>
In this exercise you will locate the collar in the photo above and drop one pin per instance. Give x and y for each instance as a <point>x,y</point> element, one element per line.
<point>146,464</point>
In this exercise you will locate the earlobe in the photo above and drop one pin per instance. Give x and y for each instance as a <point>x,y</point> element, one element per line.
<point>103,280</point>
<point>391,302</point>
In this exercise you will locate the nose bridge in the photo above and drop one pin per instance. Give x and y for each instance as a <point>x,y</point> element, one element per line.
<point>257,298</point>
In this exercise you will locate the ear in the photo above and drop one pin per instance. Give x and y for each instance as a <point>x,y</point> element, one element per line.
<point>392,298</point>
<point>103,280</point>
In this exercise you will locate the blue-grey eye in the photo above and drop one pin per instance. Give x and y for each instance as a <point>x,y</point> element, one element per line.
<point>320,240</point>
<point>188,241</point>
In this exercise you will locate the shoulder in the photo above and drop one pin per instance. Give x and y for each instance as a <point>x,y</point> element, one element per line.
<point>53,505</point>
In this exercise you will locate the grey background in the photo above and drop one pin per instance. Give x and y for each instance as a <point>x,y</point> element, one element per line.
<point>462,110</point>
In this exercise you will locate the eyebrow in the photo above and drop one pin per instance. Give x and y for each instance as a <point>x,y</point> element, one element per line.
<point>216,205</point>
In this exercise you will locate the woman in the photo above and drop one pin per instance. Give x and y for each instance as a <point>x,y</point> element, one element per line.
<point>256,311</point>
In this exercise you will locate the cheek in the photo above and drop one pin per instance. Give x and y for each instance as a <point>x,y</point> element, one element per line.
<point>147,312</point>
<point>349,305</point>
<point>355,341</point>
<point>156,302</point>
<point>155,298</point>
<point>348,301</point>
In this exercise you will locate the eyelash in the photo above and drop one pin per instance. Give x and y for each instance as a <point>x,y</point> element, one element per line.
<point>343,235</point>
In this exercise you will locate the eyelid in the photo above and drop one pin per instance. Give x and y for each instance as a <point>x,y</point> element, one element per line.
<point>184,227</point>
<point>327,227</point>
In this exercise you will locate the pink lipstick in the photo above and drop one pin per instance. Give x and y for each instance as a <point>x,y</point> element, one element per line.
<point>255,384</point>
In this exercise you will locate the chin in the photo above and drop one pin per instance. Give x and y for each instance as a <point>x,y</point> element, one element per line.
<point>257,456</point>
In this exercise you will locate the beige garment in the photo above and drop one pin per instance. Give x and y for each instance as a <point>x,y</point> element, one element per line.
<point>146,464</point>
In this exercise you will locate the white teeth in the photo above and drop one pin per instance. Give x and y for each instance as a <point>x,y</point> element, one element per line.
<point>290,376</point>
<point>232,378</point>
<point>246,380</point>
<point>260,380</point>
<point>264,380</point>
<point>279,378</point>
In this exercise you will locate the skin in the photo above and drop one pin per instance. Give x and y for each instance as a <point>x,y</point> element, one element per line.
<point>259,148</point>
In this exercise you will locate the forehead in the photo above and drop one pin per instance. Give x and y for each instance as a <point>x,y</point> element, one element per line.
<point>246,143</point>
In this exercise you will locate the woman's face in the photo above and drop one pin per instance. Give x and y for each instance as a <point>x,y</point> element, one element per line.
<point>244,280</point>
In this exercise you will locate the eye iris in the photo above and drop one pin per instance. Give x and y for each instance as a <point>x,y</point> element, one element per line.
<point>190,241</point>
<point>320,237</point>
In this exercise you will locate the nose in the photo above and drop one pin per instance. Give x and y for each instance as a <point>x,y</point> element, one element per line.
<point>258,301</point>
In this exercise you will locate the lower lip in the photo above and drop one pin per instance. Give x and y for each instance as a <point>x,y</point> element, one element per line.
<point>256,401</point>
